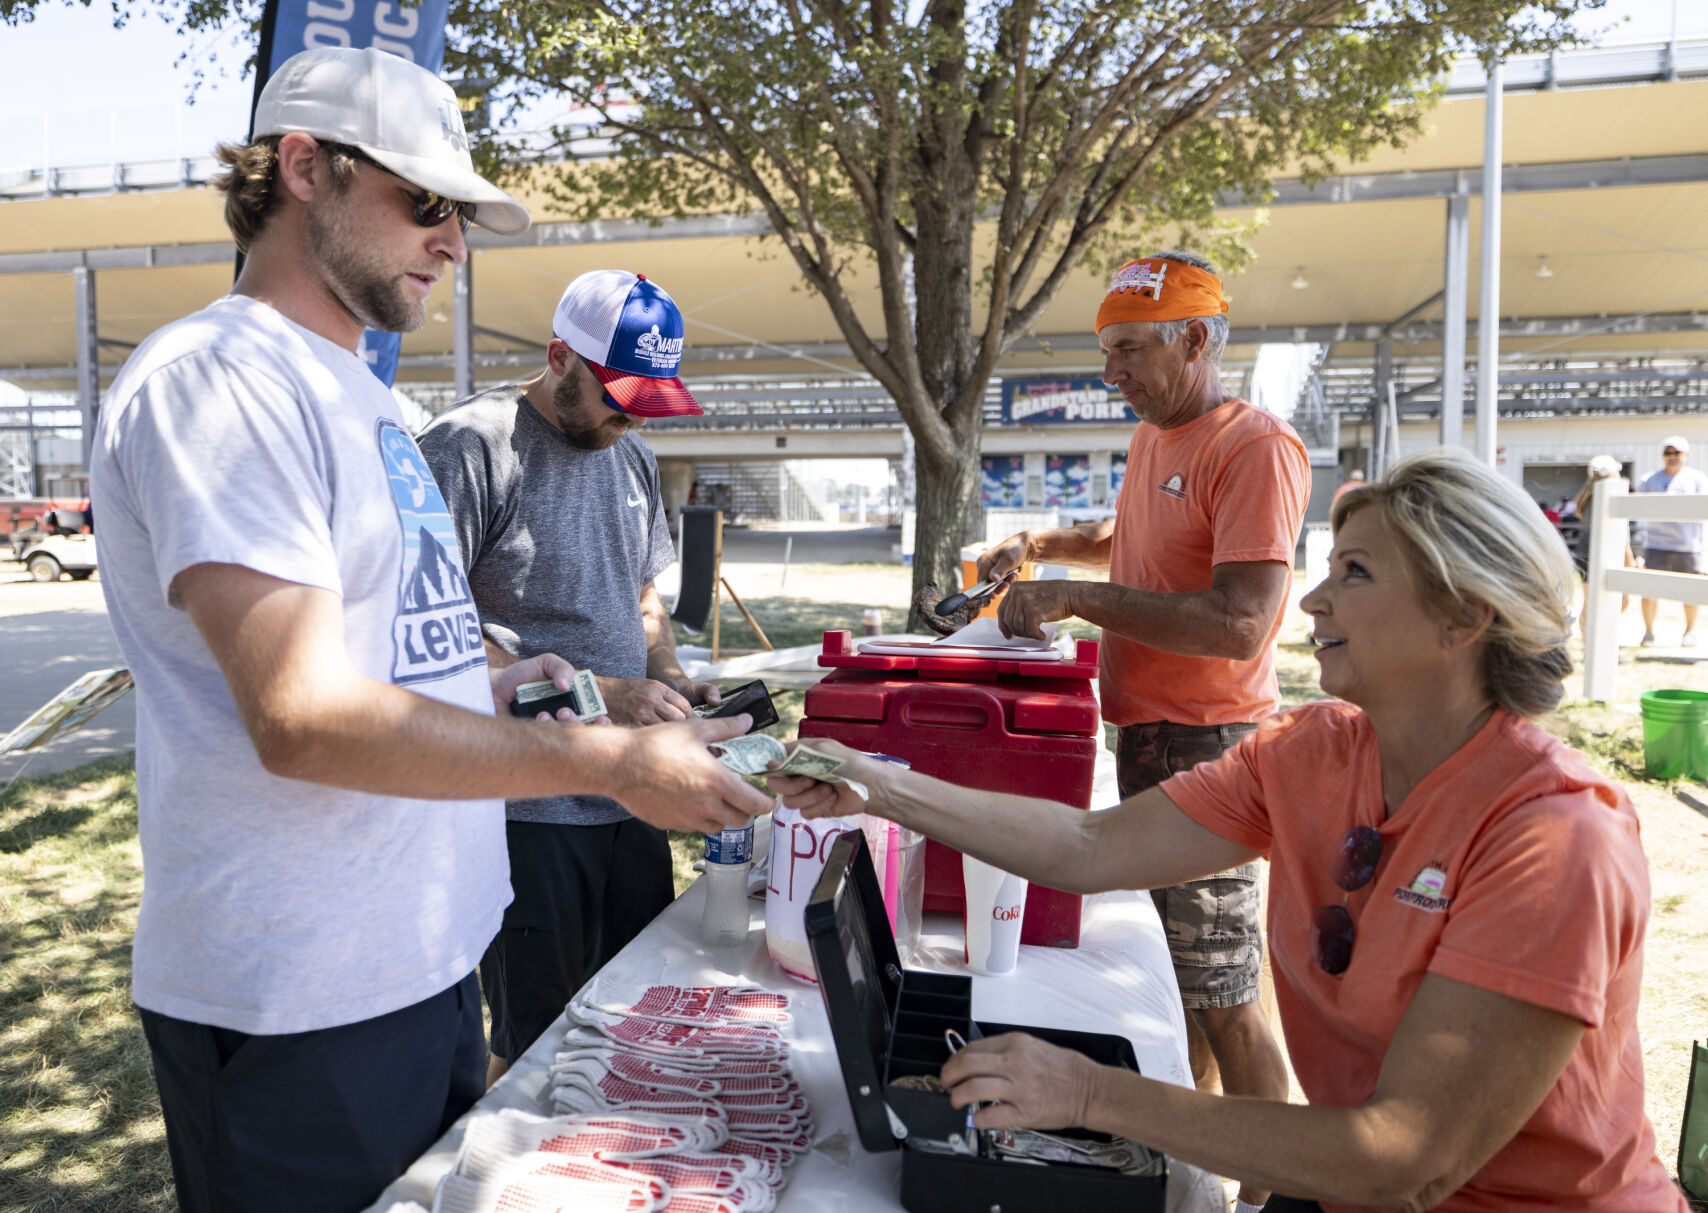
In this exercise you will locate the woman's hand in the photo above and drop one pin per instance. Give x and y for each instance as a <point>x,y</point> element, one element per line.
<point>815,798</point>
<point>1023,1082</point>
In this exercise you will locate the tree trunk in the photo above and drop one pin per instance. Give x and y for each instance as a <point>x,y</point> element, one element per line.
<point>944,491</point>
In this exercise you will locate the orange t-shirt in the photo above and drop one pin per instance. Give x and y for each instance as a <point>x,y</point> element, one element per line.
<point>1228,487</point>
<point>1512,867</point>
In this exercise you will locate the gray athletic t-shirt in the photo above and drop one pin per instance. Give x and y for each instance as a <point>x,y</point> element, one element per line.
<point>557,543</point>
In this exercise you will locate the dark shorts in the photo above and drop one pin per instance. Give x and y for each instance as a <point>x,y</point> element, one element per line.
<point>1214,929</point>
<point>1663,561</point>
<point>318,1120</point>
<point>581,893</point>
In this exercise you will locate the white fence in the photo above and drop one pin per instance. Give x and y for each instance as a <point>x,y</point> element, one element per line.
<point>1611,509</point>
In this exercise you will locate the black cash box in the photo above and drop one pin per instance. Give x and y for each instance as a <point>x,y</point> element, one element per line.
<point>888,1023</point>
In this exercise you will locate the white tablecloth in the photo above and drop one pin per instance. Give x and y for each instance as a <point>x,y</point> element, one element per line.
<point>1119,981</point>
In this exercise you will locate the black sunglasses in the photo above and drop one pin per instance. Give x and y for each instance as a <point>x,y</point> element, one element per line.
<point>1332,929</point>
<point>1671,450</point>
<point>430,209</point>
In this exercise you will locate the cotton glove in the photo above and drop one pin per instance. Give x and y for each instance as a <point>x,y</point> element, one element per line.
<point>490,1140</point>
<point>674,1044</point>
<point>537,1194</point>
<point>697,1006</point>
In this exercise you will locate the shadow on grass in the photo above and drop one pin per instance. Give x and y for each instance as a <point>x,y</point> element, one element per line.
<point>79,1120</point>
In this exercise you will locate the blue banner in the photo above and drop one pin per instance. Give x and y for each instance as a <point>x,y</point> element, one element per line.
<point>1063,401</point>
<point>380,350</point>
<point>415,32</point>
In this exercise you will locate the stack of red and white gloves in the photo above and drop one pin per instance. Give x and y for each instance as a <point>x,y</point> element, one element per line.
<point>677,1099</point>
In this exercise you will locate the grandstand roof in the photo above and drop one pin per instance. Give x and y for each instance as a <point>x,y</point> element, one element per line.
<point>1607,184</point>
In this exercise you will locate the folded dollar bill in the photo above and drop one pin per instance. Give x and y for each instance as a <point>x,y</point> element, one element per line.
<point>753,755</point>
<point>749,755</point>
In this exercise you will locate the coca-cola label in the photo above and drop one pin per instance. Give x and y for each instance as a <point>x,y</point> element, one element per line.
<point>1005,913</point>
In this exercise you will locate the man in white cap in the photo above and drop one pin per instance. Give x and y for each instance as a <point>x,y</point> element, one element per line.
<point>320,773</point>
<point>561,526</point>
<point>1673,547</point>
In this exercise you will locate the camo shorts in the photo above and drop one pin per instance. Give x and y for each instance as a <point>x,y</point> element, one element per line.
<point>1214,927</point>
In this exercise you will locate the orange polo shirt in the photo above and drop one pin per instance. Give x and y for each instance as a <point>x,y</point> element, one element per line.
<point>1225,488</point>
<point>1512,867</point>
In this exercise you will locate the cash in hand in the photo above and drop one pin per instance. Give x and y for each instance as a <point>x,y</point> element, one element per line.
<point>752,756</point>
<point>584,697</point>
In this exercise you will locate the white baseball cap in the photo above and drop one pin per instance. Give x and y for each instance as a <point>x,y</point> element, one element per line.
<point>1681,444</point>
<point>401,115</point>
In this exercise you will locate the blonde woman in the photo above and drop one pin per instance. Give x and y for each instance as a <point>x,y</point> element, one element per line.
<point>1457,901</point>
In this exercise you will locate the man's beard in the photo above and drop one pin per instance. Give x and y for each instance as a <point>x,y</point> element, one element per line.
<point>368,291</point>
<point>572,409</point>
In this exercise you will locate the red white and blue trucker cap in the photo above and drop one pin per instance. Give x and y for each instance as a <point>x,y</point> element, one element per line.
<point>403,116</point>
<point>630,332</point>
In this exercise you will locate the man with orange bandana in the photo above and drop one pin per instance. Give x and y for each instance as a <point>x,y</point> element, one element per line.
<point>1199,557</point>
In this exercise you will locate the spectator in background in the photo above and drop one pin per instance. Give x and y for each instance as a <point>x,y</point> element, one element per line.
<point>1602,467</point>
<point>1673,547</point>
<point>1354,479</point>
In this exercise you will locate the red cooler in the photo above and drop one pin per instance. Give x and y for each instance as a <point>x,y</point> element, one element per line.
<point>1029,727</point>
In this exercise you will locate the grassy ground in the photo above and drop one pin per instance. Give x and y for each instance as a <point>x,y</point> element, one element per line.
<point>79,1123</point>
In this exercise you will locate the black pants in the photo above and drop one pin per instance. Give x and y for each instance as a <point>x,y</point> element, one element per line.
<point>581,893</point>
<point>1286,1204</point>
<point>318,1120</point>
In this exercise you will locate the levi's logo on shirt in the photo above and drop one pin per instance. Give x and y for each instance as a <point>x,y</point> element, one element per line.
<point>1174,486</point>
<point>436,632</point>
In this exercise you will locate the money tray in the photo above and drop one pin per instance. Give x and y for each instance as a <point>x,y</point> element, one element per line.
<point>887,1022</point>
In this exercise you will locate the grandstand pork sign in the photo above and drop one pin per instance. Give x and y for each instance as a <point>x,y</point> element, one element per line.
<point>1063,401</point>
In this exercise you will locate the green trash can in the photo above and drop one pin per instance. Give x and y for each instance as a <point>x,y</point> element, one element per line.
<point>1675,734</point>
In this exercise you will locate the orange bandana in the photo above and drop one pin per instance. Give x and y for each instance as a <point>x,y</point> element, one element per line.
<point>1159,289</point>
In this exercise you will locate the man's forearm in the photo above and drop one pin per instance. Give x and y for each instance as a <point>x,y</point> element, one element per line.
<point>374,737</point>
<point>1082,547</point>
<point>662,664</point>
<point>1203,623</point>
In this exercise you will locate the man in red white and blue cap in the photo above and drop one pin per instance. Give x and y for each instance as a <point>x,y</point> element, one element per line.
<point>560,523</point>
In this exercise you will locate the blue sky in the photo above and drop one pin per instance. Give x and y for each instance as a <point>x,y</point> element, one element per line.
<point>75,90</point>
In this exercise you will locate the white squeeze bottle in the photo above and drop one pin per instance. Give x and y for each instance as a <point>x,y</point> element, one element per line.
<point>729,858</point>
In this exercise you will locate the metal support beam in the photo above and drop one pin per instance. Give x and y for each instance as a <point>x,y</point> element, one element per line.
<point>1456,286</point>
<point>462,328</point>
<point>1425,333</point>
<point>88,358</point>
<point>1380,406</point>
<point>1365,187</point>
<point>1488,299</point>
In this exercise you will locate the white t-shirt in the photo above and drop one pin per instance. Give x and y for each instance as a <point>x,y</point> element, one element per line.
<point>1674,536</point>
<point>272,905</point>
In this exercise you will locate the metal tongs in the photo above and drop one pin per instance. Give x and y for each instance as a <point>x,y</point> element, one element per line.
<point>977,596</point>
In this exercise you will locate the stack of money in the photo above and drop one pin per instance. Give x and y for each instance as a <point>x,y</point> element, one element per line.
<point>584,697</point>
